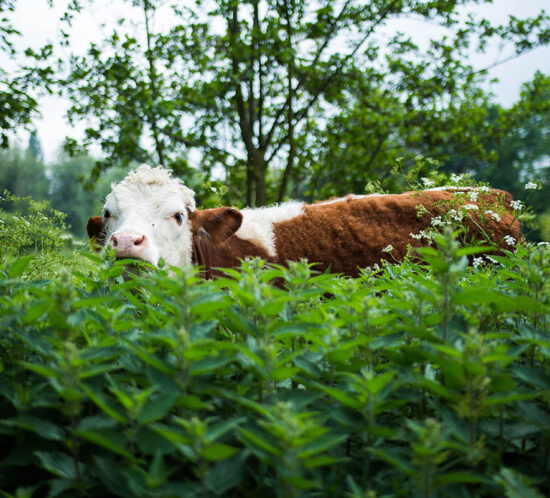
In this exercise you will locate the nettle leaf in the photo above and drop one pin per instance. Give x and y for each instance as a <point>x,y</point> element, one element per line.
<point>19,266</point>
<point>321,445</point>
<point>516,485</point>
<point>157,407</point>
<point>218,451</point>
<point>59,464</point>
<point>228,473</point>
<point>107,439</point>
<point>257,441</point>
<point>44,428</point>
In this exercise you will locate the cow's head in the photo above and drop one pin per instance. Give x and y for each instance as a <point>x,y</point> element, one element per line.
<point>151,215</point>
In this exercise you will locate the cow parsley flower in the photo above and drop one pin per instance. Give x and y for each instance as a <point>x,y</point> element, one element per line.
<point>484,189</point>
<point>427,182</point>
<point>388,248</point>
<point>509,240</point>
<point>516,205</point>
<point>494,215</point>
<point>416,236</point>
<point>492,260</point>
<point>470,207</point>
<point>455,215</point>
<point>436,221</point>
<point>477,262</point>
<point>473,195</point>
<point>455,178</point>
<point>531,186</point>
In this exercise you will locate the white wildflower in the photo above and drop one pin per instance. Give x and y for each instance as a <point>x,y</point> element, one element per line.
<point>436,221</point>
<point>516,205</point>
<point>426,235</point>
<point>473,195</point>
<point>470,207</point>
<point>546,245</point>
<point>509,240</point>
<point>455,178</point>
<point>531,186</point>
<point>484,189</point>
<point>427,182</point>
<point>492,260</point>
<point>422,235</point>
<point>388,248</point>
<point>493,215</point>
<point>455,215</point>
<point>477,262</point>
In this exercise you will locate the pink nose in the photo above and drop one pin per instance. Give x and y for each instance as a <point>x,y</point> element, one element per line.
<point>128,244</point>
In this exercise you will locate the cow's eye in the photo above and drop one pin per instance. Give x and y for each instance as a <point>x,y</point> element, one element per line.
<point>178,217</point>
<point>106,214</point>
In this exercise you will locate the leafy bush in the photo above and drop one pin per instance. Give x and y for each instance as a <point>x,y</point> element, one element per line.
<point>418,379</point>
<point>32,228</point>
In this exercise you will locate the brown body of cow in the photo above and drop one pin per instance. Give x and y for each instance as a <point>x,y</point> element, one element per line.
<point>342,235</point>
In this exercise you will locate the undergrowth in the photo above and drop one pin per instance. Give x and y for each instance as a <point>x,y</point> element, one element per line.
<point>416,379</point>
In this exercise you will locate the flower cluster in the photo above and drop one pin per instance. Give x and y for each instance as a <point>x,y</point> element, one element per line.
<point>516,205</point>
<point>455,178</point>
<point>509,240</point>
<point>494,215</point>
<point>427,182</point>
<point>531,186</point>
<point>423,234</point>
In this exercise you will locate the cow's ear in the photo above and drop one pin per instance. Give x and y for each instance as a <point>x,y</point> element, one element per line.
<point>219,223</point>
<point>96,231</point>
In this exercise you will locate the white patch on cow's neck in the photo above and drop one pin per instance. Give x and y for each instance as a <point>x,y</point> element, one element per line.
<point>257,225</point>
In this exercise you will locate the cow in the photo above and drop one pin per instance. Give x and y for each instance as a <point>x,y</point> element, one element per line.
<point>151,215</point>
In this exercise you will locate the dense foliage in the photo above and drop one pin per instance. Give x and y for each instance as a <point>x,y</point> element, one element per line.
<point>279,95</point>
<point>418,379</point>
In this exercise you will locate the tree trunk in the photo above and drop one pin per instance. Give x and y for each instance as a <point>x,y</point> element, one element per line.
<point>258,170</point>
<point>290,111</point>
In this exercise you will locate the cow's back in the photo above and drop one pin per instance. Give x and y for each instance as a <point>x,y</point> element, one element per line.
<point>351,233</point>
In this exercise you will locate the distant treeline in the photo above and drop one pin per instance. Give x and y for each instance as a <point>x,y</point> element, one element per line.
<point>62,183</point>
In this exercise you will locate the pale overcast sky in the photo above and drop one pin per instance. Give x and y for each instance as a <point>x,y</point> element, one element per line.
<point>38,23</point>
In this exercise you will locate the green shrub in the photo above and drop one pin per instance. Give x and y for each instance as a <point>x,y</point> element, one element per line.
<point>416,379</point>
<point>31,228</point>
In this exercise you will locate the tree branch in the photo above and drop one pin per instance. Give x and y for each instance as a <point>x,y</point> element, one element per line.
<point>301,80</point>
<point>303,112</point>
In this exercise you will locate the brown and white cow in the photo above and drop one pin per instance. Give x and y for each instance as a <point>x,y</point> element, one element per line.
<point>151,215</point>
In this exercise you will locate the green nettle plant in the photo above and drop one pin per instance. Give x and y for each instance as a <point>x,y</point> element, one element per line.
<point>424,378</point>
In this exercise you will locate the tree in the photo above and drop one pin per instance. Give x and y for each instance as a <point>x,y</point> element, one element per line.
<point>253,86</point>
<point>35,148</point>
<point>67,192</point>
<point>18,97</point>
<point>22,174</point>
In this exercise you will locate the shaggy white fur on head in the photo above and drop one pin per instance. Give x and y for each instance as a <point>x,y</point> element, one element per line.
<point>144,175</point>
<point>146,202</point>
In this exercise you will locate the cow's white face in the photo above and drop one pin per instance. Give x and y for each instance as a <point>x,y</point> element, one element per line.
<point>146,216</point>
